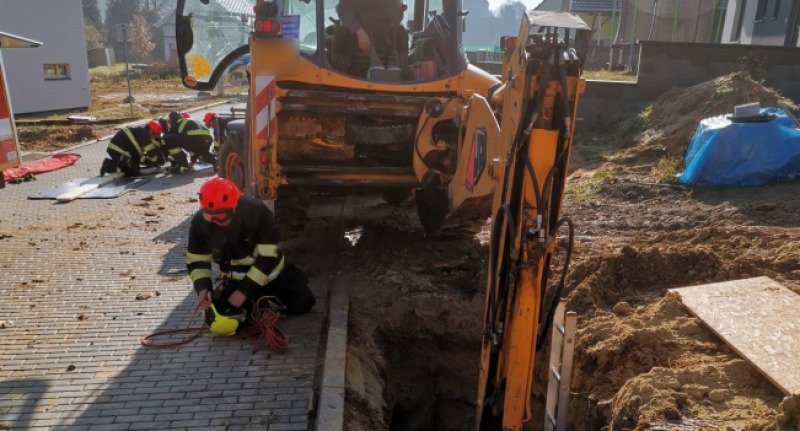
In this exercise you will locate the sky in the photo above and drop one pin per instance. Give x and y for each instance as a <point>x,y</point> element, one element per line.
<point>530,4</point>
<point>494,4</point>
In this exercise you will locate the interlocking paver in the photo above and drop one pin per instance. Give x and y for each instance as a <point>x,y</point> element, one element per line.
<point>72,359</point>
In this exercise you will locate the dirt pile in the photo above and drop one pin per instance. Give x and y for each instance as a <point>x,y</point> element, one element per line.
<point>660,364</point>
<point>641,359</point>
<point>663,129</point>
<point>49,138</point>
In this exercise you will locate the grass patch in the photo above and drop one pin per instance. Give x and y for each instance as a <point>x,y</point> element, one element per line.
<point>627,128</point>
<point>607,75</point>
<point>585,188</point>
<point>666,170</point>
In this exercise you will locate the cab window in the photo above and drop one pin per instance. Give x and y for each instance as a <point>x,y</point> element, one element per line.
<point>209,33</point>
<point>299,21</point>
<point>394,40</point>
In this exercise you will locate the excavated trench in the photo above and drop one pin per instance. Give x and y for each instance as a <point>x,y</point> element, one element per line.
<point>641,362</point>
<point>641,359</point>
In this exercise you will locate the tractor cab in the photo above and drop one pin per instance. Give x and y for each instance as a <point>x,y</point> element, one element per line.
<point>388,41</point>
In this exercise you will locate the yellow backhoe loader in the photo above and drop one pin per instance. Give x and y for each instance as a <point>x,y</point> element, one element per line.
<point>415,117</point>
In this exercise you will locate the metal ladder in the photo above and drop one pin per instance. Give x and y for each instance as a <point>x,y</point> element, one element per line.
<point>562,346</point>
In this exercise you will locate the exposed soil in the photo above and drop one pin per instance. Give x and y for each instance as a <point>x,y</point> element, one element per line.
<point>642,361</point>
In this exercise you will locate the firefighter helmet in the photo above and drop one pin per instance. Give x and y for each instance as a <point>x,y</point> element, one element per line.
<point>209,117</point>
<point>218,199</point>
<point>223,324</point>
<point>154,127</point>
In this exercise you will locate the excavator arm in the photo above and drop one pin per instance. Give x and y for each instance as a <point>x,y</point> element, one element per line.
<point>529,163</point>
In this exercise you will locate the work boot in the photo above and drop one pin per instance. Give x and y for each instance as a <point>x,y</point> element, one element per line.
<point>208,158</point>
<point>109,167</point>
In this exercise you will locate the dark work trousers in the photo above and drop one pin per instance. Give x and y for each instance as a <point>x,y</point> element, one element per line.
<point>291,289</point>
<point>348,58</point>
<point>198,146</point>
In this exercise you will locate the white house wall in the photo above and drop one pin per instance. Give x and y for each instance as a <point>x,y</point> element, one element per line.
<point>58,24</point>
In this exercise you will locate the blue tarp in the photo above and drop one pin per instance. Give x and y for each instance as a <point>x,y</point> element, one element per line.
<point>239,62</point>
<point>726,153</point>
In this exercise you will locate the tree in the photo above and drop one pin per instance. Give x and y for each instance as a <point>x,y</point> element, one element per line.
<point>143,44</point>
<point>94,39</point>
<point>119,12</point>
<point>91,13</point>
<point>154,10</point>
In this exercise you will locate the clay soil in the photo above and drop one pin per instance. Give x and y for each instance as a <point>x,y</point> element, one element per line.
<point>642,361</point>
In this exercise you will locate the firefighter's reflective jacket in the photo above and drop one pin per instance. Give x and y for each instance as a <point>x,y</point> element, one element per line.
<point>247,250</point>
<point>136,146</point>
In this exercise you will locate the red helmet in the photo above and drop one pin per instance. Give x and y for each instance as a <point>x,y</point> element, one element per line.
<point>154,127</point>
<point>218,198</point>
<point>208,118</point>
<point>186,115</point>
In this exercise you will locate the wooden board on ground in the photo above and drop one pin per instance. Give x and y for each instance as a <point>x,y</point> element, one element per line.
<point>89,185</point>
<point>108,191</point>
<point>758,318</point>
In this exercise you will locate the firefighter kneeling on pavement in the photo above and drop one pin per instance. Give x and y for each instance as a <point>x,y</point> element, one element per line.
<point>132,147</point>
<point>187,134</point>
<point>238,233</point>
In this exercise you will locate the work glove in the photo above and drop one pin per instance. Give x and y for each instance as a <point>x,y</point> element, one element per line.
<point>204,299</point>
<point>180,169</point>
<point>237,299</point>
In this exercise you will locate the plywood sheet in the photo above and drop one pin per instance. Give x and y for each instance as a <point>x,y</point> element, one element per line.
<point>759,319</point>
<point>108,191</point>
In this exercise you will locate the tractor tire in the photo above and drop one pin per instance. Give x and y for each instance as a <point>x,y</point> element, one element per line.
<point>231,160</point>
<point>396,196</point>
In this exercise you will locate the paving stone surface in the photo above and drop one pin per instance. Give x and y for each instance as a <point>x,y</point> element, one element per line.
<point>71,358</point>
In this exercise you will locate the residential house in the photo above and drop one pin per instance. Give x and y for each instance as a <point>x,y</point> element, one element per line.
<point>166,33</point>
<point>660,20</point>
<point>54,76</point>
<point>762,22</point>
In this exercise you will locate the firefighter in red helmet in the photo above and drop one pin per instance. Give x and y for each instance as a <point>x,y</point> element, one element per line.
<point>238,233</point>
<point>187,135</point>
<point>132,147</point>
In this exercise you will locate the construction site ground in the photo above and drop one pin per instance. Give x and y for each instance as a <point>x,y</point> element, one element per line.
<point>84,281</point>
<point>156,91</point>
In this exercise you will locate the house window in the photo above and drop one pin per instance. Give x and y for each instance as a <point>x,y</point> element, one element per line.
<point>761,10</point>
<point>737,29</point>
<point>56,71</point>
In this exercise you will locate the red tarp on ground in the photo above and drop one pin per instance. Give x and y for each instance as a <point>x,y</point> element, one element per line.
<point>49,164</point>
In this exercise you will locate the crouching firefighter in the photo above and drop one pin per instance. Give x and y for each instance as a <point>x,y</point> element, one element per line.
<point>132,147</point>
<point>187,134</point>
<point>238,233</point>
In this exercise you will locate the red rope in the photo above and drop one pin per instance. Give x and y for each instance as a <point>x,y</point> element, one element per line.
<point>265,329</point>
<point>196,332</point>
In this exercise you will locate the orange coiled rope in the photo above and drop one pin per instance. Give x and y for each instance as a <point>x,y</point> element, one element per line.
<point>265,329</point>
<point>195,332</point>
